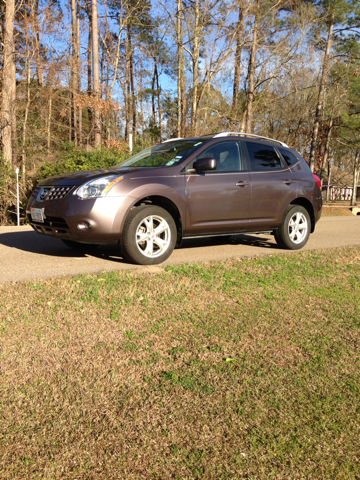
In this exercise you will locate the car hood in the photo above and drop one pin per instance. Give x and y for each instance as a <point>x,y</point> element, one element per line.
<point>78,178</point>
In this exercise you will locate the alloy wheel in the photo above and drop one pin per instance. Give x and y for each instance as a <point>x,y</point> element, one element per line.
<point>298,227</point>
<point>153,236</point>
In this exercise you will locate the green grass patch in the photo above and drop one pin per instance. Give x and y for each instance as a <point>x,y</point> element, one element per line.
<point>240,369</point>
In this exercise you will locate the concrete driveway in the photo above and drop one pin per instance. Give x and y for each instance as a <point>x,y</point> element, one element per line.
<point>24,254</point>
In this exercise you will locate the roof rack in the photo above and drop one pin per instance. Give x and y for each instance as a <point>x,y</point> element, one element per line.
<point>226,134</point>
<point>172,139</point>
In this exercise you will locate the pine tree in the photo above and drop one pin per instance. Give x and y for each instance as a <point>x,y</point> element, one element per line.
<point>333,13</point>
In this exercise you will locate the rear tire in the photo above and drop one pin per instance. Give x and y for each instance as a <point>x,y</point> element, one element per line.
<point>149,235</point>
<point>294,231</point>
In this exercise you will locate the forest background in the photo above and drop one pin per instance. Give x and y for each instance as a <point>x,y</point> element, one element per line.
<point>78,77</point>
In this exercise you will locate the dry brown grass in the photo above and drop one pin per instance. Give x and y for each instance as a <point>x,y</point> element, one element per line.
<point>241,369</point>
<point>336,212</point>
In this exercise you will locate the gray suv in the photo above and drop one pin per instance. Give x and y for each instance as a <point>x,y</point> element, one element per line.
<point>222,184</point>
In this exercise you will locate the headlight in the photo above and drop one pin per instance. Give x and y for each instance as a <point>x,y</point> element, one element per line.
<point>99,187</point>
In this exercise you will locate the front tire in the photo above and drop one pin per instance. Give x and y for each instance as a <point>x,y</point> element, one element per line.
<point>294,231</point>
<point>149,235</point>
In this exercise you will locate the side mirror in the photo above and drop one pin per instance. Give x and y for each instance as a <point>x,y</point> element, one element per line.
<point>204,164</point>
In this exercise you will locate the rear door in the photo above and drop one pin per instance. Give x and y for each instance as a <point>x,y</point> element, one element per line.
<point>273,185</point>
<point>218,201</point>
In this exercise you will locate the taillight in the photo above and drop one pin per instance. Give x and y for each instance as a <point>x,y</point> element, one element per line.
<point>317,179</point>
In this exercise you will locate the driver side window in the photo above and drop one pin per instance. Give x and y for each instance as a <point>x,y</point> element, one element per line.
<point>226,154</point>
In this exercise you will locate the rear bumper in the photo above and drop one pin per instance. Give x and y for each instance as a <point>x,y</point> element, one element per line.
<point>318,205</point>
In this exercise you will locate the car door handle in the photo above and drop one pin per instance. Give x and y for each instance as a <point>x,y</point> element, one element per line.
<point>242,183</point>
<point>288,182</point>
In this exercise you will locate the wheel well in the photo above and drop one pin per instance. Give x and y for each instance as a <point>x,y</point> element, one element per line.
<point>304,202</point>
<point>169,206</point>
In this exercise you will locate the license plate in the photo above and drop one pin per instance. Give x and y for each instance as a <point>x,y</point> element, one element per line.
<point>37,214</point>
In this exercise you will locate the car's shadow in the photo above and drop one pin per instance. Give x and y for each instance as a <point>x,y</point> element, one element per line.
<point>246,239</point>
<point>32,242</point>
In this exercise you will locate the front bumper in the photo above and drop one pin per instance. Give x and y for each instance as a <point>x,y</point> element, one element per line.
<point>105,215</point>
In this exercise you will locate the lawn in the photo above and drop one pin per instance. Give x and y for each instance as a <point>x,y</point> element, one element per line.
<point>246,369</point>
<point>336,211</point>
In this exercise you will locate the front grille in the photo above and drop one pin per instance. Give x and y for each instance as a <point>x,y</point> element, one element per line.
<point>53,226</point>
<point>54,222</point>
<point>54,193</point>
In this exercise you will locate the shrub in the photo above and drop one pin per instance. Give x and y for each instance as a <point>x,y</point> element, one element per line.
<point>71,159</point>
<point>76,160</point>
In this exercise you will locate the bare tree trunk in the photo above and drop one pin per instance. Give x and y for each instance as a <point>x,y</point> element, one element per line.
<point>132,89</point>
<point>137,96</point>
<point>39,71</point>
<point>329,180</point>
<point>356,178</point>
<point>23,147</point>
<point>127,91</point>
<point>78,69</point>
<point>2,30</point>
<point>74,81</point>
<point>9,86</point>
<point>252,65</point>
<point>95,45</point>
<point>153,93</point>
<point>108,115</point>
<point>237,68</point>
<point>28,97</point>
<point>141,98</point>
<point>327,146</point>
<point>179,49</point>
<point>182,99</point>
<point>195,59</point>
<point>159,106</point>
<point>89,76</point>
<point>101,74</point>
<point>319,105</point>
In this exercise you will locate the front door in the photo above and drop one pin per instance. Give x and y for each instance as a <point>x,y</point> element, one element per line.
<point>218,201</point>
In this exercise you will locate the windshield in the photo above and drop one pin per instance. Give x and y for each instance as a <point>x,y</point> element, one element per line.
<point>163,155</point>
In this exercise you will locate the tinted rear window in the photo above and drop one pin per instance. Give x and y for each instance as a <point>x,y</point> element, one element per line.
<point>289,157</point>
<point>262,157</point>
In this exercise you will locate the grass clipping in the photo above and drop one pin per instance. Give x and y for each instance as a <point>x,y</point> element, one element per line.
<point>242,369</point>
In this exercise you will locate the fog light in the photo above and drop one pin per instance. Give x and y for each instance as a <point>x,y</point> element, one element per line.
<point>84,226</point>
